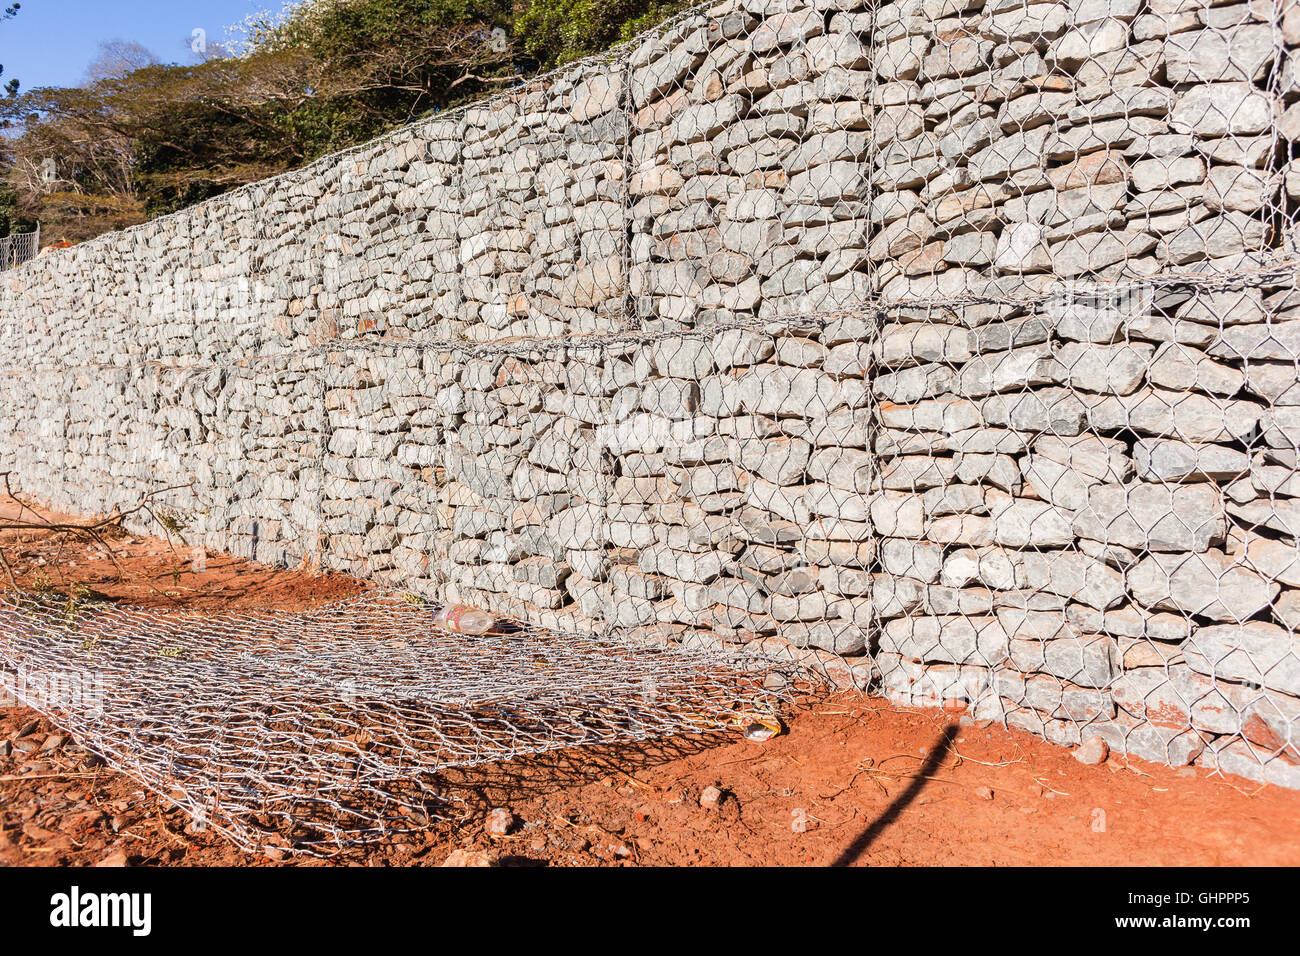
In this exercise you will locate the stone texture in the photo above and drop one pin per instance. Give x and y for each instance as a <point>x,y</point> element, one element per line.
<point>1211,585</point>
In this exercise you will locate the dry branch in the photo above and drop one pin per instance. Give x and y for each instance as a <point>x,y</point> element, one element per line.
<point>98,530</point>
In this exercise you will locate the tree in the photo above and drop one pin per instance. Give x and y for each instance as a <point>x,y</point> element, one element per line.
<point>10,220</point>
<point>8,13</point>
<point>117,59</point>
<point>554,32</point>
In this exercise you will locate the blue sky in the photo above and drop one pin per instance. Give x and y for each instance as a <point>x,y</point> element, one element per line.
<point>51,42</point>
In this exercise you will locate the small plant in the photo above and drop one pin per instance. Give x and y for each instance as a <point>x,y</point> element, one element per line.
<point>70,612</point>
<point>171,521</point>
<point>83,593</point>
<point>113,532</point>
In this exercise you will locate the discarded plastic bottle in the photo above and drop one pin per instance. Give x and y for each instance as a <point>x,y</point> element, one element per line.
<point>463,619</point>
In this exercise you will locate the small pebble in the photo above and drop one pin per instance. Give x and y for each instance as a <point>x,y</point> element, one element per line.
<point>498,822</point>
<point>34,832</point>
<point>710,797</point>
<point>470,858</point>
<point>1092,751</point>
<point>984,793</point>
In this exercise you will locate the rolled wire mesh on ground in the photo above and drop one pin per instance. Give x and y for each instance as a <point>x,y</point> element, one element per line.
<point>320,729</point>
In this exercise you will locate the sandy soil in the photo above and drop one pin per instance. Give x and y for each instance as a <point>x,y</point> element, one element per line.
<point>854,781</point>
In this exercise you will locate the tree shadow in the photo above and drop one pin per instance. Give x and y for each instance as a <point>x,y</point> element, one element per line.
<point>863,841</point>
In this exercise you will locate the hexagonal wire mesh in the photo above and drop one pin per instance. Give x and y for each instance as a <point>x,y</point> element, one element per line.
<point>319,730</point>
<point>942,345</point>
<point>17,248</point>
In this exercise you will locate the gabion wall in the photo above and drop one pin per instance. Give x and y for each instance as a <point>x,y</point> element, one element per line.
<point>950,343</point>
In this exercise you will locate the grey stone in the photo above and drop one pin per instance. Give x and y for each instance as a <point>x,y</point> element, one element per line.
<point>1181,415</point>
<point>1210,585</point>
<point>1114,369</point>
<point>1170,460</point>
<point>1242,53</point>
<point>1182,367</point>
<point>1222,109</point>
<point>1086,661</point>
<point>1024,523</point>
<point>1153,517</point>
<point>957,640</point>
<point>1255,651</point>
<point>1075,576</point>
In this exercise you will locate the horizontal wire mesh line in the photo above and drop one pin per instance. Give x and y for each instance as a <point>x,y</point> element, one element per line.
<point>1205,283</point>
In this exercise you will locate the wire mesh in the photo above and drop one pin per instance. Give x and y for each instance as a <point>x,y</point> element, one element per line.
<point>320,730</point>
<point>17,248</point>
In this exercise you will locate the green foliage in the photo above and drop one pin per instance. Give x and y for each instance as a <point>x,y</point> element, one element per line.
<point>11,220</point>
<point>554,32</point>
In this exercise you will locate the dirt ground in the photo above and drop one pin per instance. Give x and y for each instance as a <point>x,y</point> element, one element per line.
<point>855,781</point>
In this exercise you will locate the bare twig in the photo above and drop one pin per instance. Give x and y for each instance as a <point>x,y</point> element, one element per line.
<point>96,530</point>
<point>13,581</point>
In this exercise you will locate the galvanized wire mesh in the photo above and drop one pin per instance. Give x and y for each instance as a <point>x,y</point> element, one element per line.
<point>17,248</point>
<point>946,342</point>
<point>319,730</point>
